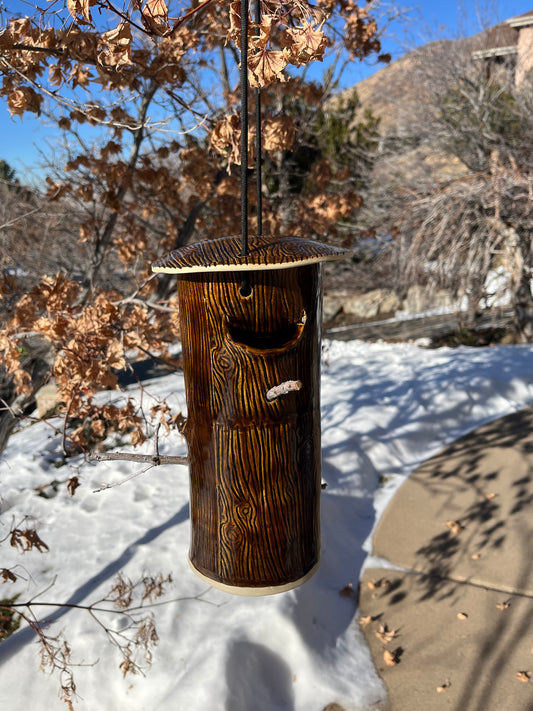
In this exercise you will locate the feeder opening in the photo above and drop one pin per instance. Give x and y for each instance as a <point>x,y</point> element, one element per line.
<point>280,338</point>
<point>246,289</point>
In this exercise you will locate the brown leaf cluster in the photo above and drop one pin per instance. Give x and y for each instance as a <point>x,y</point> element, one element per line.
<point>80,10</point>
<point>89,342</point>
<point>26,540</point>
<point>385,635</point>
<point>154,586</point>
<point>279,133</point>
<point>22,99</point>
<point>121,594</point>
<point>225,139</point>
<point>155,17</point>
<point>8,575</point>
<point>114,47</point>
<point>307,43</point>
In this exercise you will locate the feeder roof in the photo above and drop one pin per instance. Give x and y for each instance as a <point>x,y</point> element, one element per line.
<point>264,252</point>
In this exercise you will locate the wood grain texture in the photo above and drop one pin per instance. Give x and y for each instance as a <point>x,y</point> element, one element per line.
<point>254,463</point>
<point>264,252</point>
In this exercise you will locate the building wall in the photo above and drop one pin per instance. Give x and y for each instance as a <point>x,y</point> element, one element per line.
<point>525,54</point>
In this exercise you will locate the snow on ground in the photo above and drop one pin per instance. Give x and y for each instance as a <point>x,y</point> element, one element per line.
<point>385,409</point>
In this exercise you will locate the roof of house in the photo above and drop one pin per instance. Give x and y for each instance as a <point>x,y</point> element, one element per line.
<point>502,39</point>
<point>496,41</point>
<point>521,20</point>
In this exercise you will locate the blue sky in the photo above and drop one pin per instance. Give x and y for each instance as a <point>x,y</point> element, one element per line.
<point>426,19</point>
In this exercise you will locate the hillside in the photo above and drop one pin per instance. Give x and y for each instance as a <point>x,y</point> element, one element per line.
<point>402,94</point>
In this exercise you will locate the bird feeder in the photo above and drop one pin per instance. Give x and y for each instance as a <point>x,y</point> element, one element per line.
<point>250,313</point>
<point>251,359</point>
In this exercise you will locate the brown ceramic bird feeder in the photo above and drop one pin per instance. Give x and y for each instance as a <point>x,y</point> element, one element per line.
<point>250,312</point>
<point>251,358</point>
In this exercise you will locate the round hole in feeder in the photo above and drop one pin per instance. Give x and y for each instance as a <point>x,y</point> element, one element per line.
<point>246,289</point>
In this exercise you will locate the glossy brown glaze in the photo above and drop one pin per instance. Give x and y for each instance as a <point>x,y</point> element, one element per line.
<point>254,461</point>
<point>254,464</point>
<point>264,252</point>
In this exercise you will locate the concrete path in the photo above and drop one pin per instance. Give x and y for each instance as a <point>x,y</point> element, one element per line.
<point>453,628</point>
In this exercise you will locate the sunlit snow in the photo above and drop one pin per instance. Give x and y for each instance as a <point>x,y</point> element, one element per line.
<point>385,409</point>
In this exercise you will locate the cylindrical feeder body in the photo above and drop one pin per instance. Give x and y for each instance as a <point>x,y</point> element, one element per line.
<point>251,355</point>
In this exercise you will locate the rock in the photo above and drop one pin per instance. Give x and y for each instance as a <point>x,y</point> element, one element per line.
<point>332,307</point>
<point>421,298</point>
<point>374,303</point>
<point>47,398</point>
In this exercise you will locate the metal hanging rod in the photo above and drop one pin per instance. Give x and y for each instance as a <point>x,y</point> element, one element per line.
<point>244,132</point>
<point>258,147</point>
<point>244,128</point>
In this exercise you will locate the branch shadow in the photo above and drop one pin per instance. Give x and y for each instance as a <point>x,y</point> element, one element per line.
<point>13,643</point>
<point>494,458</point>
<point>491,548</point>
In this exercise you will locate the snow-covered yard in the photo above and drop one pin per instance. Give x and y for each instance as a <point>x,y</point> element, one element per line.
<point>385,409</point>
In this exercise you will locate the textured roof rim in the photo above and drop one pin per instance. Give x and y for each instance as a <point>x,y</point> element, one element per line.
<point>265,252</point>
<point>245,267</point>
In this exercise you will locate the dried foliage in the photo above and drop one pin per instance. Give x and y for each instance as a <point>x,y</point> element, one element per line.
<point>26,540</point>
<point>148,185</point>
<point>455,173</point>
<point>146,165</point>
<point>135,639</point>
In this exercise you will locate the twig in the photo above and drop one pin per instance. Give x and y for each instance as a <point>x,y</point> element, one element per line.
<point>113,611</point>
<point>154,459</point>
<point>157,458</point>
<point>288,386</point>
<point>158,359</point>
<point>127,457</point>
<point>65,422</point>
<point>141,302</point>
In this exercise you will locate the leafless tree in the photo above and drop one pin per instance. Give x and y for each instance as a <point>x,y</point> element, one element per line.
<point>456,171</point>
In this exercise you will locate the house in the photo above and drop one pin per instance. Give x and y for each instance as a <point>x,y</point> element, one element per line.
<point>509,43</point>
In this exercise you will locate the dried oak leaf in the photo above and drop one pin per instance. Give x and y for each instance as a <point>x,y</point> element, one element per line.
<point>462,616</point>
<point>114,48</point>
<point>27,540</point>
<point>305,43</point>
<point>365,620</point>
<point>455,526</point>
<point>503,605</point>
<point>155,17</point>
<point>347,591</point>
<point>385,635</point>
<point>279,133</point>
<point>7,575</point>
<point>267,65</point>
<point>523,676</point>
<point>235,22</point>
<point>381,583</point>
<point>79,10</point>
<point>72,485</point>
<point>444,686</point>
<point>392,658</point>
<point>6,39</point>
<point>22,99</point>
